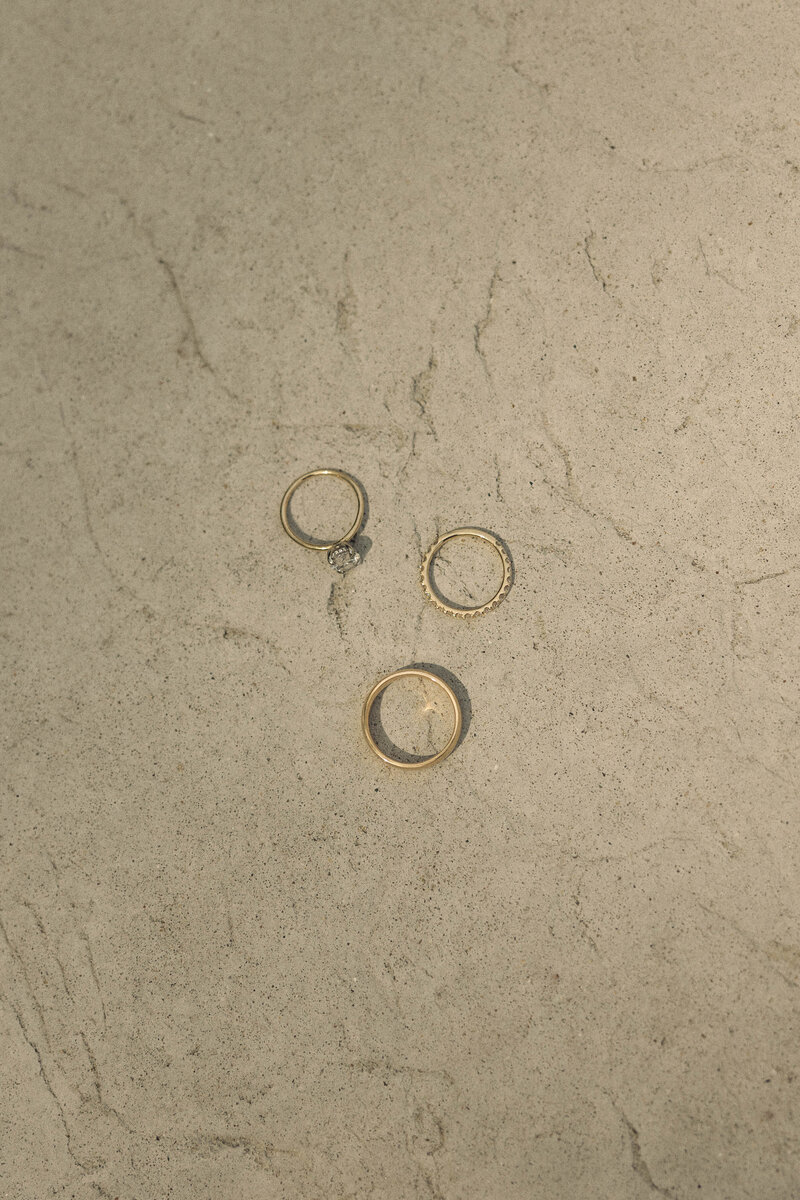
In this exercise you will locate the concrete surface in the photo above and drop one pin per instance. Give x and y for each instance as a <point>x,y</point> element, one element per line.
<point>528,266</point>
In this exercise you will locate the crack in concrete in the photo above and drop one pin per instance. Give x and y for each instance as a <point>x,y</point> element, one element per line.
<point>497,488</point>
<point>34,999</point>
<point>261,1152</point>
<point>760,578</point>
<point>417,538</point>
<point>748,940</point>
<point>346,310</point>
<point>374,1066</point>
<point>584,925</point>
<point>481,325</point>
<point>14,249</point>
<point>638,1160</point>
<point>737,617</point>
<point>190,335</point>
<point>85,939</point>
<point>119,584</point>
<point>572,493</point>
<point>39,923</point>
<point>98,1087</point>
<point>24,202</point>
<point>657,168</point>
<point>83,1166</point>
<point>421,387</point>
<point>101,1191</point>
<point>401,474</point>
<point>189,117</point>
<point>590,237</point>
<point>719,274</point>
<point>336,607</point>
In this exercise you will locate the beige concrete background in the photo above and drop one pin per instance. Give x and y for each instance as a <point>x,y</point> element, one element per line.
<point>529,266</point>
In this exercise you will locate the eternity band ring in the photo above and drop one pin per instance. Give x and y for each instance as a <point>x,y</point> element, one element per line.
<point>380,686</point>
<point>452,609</point>
<point>342,554</point>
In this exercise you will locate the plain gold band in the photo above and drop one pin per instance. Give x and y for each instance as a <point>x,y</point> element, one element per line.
<point>292,488</point>
<point>373,696</point>
<point>427,563</point>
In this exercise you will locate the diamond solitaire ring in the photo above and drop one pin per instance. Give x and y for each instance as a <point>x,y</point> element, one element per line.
<point>342,554</point>
<point>452,609</point>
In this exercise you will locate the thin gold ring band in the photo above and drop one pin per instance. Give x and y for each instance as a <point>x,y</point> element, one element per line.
<point>292,488</point>
<point>373,696</point>
<point>451,609</point>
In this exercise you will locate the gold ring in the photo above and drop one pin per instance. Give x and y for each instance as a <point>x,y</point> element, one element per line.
<point>373,696</point>
<point>453,610</point>
<point>341,554</point>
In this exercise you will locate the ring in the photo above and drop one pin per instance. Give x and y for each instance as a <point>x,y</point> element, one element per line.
<point>342,554</point>
<point>427,563</point>
<point>373,696</point>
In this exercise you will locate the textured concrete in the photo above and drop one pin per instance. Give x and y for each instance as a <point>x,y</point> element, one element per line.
<point>529,266</point>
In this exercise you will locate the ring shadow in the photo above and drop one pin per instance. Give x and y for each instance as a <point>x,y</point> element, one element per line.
<point>462,695</point>
<point>462,607</point>
<point>362,543</point>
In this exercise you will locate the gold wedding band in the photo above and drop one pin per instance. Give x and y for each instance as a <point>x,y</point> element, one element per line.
<point>373,696</point>
<point>453,610</point>
<point>342,555</point>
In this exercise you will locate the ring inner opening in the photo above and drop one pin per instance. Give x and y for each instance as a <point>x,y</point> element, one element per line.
<point>467,572</point>
<point>323,509</point>
<point>412,719</point>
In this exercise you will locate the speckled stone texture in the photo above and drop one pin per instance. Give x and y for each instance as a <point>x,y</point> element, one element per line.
<point>526,266</point>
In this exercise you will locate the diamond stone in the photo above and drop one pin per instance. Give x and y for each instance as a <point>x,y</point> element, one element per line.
<point>344,557</point>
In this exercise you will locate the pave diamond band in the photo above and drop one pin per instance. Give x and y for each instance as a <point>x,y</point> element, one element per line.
<point>452,609</point>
